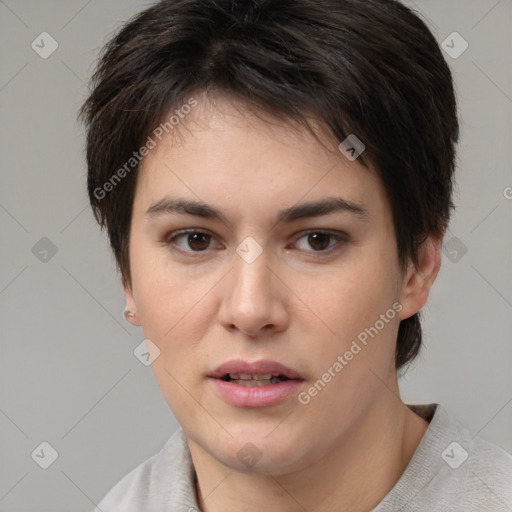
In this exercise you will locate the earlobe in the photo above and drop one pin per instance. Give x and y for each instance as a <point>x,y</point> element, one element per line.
<point>419,278</point>
<point>130,312</point>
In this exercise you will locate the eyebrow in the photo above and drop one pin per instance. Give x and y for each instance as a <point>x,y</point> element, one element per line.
<point>169,206</point>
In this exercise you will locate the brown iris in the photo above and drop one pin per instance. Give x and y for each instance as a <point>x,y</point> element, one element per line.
<point>198,241</point>
<point>319,241</point>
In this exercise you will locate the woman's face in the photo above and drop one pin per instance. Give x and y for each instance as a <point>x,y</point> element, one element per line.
<point>298,289</point>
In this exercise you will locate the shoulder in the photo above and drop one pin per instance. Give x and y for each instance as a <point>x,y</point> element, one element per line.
<point>478,473</point>
<point>163,480</point>
<point>453,470</point>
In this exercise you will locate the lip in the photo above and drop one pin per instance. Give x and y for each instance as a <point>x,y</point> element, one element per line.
<point>255,368</point>
<point>255,396</point>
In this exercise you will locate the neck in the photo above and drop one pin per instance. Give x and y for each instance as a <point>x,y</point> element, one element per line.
<point>356,474</point>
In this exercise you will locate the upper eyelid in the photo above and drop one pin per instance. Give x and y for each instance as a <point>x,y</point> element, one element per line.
<point>172,236</point>
<point>189,231</point>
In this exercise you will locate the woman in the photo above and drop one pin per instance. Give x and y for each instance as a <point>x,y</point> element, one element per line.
<point>275,178</point>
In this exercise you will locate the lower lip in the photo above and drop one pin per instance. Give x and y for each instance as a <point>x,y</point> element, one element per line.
<point>256,396</point>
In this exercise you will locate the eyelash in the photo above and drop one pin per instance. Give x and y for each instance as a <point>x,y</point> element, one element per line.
<point>338,235</point>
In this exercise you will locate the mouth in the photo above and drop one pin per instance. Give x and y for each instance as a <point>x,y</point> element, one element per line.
<point>258,384</point>
<point>257,373</point>
<point>245,379</point>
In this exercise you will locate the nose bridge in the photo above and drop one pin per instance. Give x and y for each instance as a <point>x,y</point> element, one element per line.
<point>250,277</point>
<point>251,300</point>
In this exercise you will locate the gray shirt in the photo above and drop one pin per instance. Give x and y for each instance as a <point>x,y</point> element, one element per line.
<point>450,470</point>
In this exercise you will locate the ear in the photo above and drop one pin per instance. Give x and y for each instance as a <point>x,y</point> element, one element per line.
<point>418,279</point>
<point>130,303</point>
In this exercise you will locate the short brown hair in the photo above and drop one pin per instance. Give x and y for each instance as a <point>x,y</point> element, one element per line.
<point>365,67</point>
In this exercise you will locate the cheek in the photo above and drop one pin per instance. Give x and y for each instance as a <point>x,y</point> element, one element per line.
<point>353,296</point>
<point>174,311</point>
<point>350,301</point>
<point>168,296</point>
<point>346,364</point>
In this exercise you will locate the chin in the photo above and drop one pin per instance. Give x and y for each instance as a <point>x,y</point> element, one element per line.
<point>256,452</point>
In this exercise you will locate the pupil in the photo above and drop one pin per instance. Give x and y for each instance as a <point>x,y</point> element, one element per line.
<point>195,239</point>
<point>315,241</point>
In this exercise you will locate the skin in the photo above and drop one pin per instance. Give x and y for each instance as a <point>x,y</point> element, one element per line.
<point>345,449</point>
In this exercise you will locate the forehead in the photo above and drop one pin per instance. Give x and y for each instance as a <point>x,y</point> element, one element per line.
<point>234,156</point>
<point>216,113</point>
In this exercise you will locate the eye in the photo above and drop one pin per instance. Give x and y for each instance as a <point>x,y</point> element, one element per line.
<point>191,240</point>
<point>320,241</point>
<point>195,241</point>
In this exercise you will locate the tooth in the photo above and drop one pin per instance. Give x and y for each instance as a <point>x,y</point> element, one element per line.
<point>253,382</point>
<point>247,376</point>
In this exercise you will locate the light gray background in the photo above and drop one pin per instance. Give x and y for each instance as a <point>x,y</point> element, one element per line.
<point>68,375</point>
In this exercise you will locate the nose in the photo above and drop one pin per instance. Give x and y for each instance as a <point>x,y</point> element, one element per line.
<point>254,299</point>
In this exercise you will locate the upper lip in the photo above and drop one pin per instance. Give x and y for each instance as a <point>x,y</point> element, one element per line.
<point>261,367</point>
